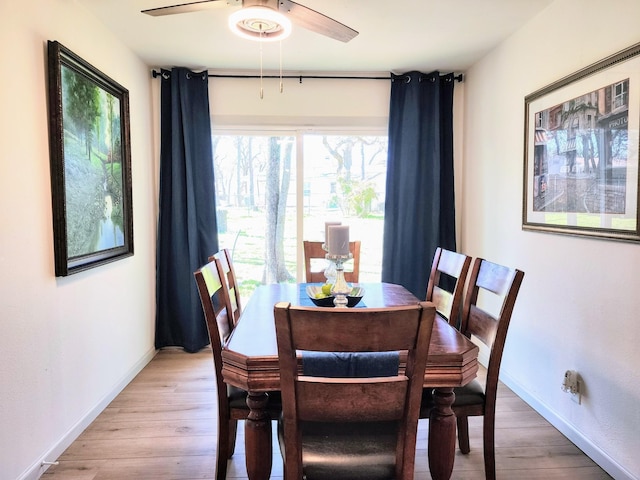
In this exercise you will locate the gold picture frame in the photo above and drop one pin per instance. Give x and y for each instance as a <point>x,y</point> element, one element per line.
<point>581,152</point>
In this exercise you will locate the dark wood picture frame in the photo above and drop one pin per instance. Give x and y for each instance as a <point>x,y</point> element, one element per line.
<point>90,156</point>
<point>581,152</point>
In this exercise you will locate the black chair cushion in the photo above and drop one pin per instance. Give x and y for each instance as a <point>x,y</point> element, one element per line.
<point>237,397</point>
<point>347,451</point>
<point>471,394</point>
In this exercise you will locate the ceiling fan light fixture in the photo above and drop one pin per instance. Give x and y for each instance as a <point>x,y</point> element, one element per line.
<point>261,24</point>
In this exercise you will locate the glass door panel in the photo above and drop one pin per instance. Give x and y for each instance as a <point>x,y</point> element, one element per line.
<point>344,180</point>
<point>255,200</point>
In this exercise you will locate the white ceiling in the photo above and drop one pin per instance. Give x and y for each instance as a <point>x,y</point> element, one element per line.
<point>394,35</point>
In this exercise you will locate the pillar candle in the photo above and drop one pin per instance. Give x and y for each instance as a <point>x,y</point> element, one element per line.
<point>327,225</point>
<point>339,240</point>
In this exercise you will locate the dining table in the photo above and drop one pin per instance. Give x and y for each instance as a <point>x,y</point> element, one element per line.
<point>250,362</point>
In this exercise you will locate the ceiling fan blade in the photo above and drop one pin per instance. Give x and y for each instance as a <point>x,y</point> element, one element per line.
<point>298,14</point>
<point>190,7</point>
<point>315,21</point>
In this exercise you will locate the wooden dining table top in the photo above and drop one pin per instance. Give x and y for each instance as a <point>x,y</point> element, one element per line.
<point>250,357</point>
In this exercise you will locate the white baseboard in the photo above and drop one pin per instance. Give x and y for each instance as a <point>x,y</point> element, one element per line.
<point>35,471</point>
<point>605,462</point>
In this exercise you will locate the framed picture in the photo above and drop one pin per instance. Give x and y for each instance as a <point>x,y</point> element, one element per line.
<point>90,164</point>
<point>581,152</point>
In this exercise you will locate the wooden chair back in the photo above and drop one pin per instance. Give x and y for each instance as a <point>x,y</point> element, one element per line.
<point>314,251</point>
<point>503,284</point>
<point>353,400</point>
<point>210,289</point>
<point>232,406</point>
<point>455,267</point>
<point>229,284</point>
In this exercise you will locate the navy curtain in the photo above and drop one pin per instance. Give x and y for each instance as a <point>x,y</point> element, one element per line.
<point>419,206</point>
<point>187,230</point>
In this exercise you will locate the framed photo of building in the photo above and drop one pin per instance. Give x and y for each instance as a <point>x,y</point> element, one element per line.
<point>90,158</point>
<point>581,152</point>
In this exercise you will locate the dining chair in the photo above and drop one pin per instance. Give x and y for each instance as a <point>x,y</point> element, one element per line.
<point>232,404</point>
<point>348,414</point>
<point>446,283</point>
<point>227,273</point>
<point>313,251</point>
<point>498,286</point>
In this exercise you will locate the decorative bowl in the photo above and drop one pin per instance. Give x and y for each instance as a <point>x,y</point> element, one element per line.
<point>353,298</point>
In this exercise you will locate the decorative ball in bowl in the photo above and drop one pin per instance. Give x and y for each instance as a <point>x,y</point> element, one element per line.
<point>322,299</point>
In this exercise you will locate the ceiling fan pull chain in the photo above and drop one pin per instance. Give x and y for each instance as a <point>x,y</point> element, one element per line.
<point>281,86</point>
<point>261,89</point>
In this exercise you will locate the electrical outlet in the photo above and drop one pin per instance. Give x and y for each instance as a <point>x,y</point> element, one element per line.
<point>577,395</point>
<point>572,385</point>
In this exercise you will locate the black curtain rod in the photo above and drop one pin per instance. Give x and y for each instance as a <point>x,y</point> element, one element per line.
<point>155,73</point>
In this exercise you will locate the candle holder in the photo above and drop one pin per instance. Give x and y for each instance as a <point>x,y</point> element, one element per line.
<point>329,272</point>
<point>340,288</point>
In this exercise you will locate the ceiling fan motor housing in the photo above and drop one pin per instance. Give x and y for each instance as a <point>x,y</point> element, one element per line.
<point>260,20</point>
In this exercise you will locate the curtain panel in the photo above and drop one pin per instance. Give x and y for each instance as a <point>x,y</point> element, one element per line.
<point>187,229</point>
<point>420,201</point>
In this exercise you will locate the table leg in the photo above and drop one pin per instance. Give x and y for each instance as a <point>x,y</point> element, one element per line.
<point>257,438</point>
<point>442,434</point>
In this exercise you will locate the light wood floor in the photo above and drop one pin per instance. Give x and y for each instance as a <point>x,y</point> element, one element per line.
<point>163,427</point>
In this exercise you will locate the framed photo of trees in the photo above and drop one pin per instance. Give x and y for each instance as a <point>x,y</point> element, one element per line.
<point>90,156</point>
<point>581,152</point>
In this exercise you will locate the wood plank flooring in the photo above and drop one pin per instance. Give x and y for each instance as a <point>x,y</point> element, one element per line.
<point>162,426</point>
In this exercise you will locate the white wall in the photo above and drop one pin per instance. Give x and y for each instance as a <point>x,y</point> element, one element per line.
<point>578,305</point>
<point>66,344</point>
<point>311,103</point>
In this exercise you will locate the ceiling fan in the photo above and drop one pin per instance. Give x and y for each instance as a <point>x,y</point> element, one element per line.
<point>259,26</point>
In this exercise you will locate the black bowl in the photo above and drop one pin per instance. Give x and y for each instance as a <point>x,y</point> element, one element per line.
<point>352,299</point>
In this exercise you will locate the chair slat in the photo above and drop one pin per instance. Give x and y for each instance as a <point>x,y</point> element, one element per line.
<point>382,399</point>
<point>443,299</point>
<point>482,325</point>
<point>495,278</point>
<point>453,263</point>
<point>386,330</point>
